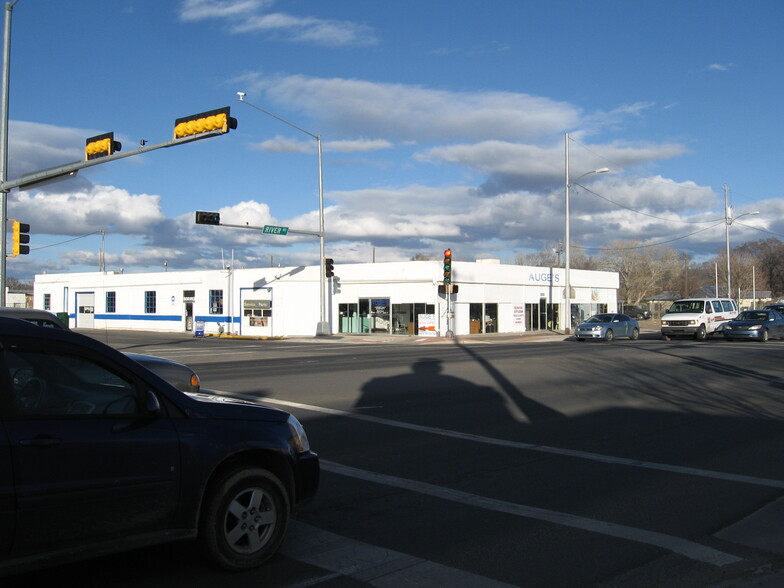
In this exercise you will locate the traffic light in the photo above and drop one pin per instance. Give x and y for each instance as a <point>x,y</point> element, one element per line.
<point>448,266</point>
<point>207,218</point>
<point>21,238</point>
<point>204,122</point>
<point>100,146</point>
<point>329,267</point>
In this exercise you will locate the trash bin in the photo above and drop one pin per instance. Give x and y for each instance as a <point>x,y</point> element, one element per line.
<point>63,316</point>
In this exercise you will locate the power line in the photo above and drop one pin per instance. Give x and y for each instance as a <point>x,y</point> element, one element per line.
<point>645,213</point>
<point>648,244</point>
<point>64,242</point>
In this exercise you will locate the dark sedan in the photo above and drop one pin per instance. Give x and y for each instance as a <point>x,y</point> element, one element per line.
<point>99,454</point>
<point>759,325</point>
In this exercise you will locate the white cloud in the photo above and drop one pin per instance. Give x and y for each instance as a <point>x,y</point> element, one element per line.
<point>193,10</point>
<point>280,144</point>
<point>251,16</point>
<point>405,112</point>
<point>80,212</point>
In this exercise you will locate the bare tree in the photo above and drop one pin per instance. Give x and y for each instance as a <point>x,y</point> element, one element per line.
<point>14,284</point>
<point>642,270</point>
<point>768,257</point>
<point>553,255</point>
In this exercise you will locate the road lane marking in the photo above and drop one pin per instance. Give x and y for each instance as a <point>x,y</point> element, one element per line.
<point>728,477</point>
<point>367,563</point>
<point>677,545</point>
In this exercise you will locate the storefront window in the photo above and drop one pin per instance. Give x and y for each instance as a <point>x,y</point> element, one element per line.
<point>149,302</point>
<point>216,301</point>
<point>379,315</point>
<point>259,312</point>
<point>483,317</point>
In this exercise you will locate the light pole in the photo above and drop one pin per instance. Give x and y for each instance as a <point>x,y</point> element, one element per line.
<point>9,9</point>
<point>323,327</point>
<point>727,222</point>
<point>567,320</point>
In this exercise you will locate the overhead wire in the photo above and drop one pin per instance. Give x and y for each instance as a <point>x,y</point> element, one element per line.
<point>66,241</point>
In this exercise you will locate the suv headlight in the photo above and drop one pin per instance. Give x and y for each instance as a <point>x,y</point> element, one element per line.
<point>299,439</point>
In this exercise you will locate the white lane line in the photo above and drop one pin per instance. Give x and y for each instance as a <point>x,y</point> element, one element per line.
<point>739,478</point>
<point>371,564</point>
<point>676,545</point>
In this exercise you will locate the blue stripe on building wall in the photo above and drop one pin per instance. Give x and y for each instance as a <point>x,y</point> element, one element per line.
<point>161,317</point>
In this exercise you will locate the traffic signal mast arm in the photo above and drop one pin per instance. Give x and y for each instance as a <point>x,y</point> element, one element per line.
<point>218,223</point>
<point>205,124</point>
<point>70,169</point>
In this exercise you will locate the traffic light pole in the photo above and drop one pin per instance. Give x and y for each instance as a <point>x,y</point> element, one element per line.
<point>9,8</point>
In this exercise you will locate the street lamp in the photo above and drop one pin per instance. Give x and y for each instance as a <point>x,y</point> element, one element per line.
<point>567,321</point>
<point>727,222</point>
<point>323,326</point>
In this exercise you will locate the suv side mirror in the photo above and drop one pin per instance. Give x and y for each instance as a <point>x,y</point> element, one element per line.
<point>152,405</point>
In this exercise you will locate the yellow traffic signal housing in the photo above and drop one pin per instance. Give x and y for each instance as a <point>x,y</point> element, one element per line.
<point>205,122</point>
<point>21,238</point>
<point>100,146</point>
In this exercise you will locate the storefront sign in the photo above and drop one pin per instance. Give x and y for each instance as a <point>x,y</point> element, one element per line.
<point>518,315</point>
<point>427,325</point>
<point>257,304</point>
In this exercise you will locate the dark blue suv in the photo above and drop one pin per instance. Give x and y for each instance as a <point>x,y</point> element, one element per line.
<point>98,454</point>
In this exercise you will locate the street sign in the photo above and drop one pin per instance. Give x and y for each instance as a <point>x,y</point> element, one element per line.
<point>273,230</point>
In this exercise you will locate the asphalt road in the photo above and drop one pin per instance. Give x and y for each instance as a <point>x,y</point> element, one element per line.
<point>493,461</point>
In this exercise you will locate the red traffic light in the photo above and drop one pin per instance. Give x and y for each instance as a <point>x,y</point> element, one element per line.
<point>447,266</point>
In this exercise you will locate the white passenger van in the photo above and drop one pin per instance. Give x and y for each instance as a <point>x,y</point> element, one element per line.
<point>697,317</point>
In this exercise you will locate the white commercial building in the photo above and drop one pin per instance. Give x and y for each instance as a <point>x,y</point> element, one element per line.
<point>395,298</point>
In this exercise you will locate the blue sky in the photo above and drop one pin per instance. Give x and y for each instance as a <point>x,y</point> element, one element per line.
<point>442,124</point>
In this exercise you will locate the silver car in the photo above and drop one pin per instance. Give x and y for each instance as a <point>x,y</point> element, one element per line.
<point>608,326</point>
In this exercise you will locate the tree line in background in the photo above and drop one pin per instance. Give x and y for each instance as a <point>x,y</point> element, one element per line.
<point>646,271</point>
<point>649,271</point>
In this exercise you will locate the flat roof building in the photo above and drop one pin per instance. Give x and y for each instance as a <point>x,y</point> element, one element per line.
<point>406,298</point>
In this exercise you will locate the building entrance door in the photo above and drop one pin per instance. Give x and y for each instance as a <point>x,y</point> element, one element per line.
<point>85,310</point>
<point>189,316</point>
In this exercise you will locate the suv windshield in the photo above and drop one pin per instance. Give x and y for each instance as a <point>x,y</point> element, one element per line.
<point>687,306</point>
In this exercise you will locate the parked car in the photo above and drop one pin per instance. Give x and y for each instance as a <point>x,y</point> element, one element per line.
<point>99,455</point>
<point>608,326</point>
<point>637,312</point>
<point>179,375</point>
<point>777,307</point>
<point>755,324</point>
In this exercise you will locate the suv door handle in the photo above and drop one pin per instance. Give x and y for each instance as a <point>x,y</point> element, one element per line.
<point>40,441</point>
